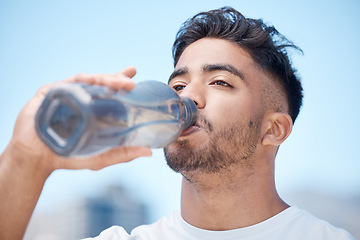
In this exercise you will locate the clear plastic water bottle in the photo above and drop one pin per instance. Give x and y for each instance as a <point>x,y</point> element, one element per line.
<point>76,119</point>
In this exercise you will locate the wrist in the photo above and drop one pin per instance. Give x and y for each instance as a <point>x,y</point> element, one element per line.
<point>27,161</point>
<point>22,177</point>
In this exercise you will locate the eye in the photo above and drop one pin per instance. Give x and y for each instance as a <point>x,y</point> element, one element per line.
<point>178,87</point>
<point>220,83</point>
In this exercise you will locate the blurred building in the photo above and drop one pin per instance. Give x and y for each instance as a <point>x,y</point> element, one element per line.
<point>88,217</point>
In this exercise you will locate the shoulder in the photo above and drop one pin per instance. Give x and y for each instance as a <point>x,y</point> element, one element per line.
<point>114,232</point>
<point>308,226</point>
<point>164,228</point>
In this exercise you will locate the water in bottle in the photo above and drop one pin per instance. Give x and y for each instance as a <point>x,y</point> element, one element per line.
<point>77,119</point>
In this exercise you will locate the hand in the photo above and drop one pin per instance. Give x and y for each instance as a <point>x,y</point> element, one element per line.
<point>27,145</point>
<point>27,162</point>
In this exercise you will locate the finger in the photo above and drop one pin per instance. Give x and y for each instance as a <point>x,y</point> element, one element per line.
<point>39,95</point>
<point>121,155</point>
<point>111,157</point>
<point>128,71</point>
<point>126,84</point>
<point>98,79</point>
<point>42,91</point>
<point>115,81</point>
<point>120,80</point>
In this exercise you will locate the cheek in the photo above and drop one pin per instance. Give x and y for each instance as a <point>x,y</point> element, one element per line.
<point>222,112</point>
<point>231,109</point>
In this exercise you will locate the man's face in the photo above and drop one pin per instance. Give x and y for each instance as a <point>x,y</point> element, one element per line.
<point>225,84</point>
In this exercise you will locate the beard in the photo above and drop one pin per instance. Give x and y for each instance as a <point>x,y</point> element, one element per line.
<point>231,145</point>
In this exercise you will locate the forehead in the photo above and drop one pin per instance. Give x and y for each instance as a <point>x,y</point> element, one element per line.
<point>211,51</point>
<point>214,51</point>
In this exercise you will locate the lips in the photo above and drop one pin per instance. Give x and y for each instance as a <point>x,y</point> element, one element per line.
<point>190,130</point>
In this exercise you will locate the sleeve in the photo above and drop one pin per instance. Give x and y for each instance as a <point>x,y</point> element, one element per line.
<point>112,233</point>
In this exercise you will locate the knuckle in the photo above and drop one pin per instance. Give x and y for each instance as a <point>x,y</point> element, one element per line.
<point>81,75</point>
<point>43,90</point>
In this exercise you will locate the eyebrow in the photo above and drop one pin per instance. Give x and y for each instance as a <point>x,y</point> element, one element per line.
<point>178,73</point>
<point>209,68</point>
<point>223,67</point>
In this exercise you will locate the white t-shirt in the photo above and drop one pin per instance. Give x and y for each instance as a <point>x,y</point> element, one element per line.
<point>293,224</point>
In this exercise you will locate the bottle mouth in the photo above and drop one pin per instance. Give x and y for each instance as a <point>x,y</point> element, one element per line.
<point>191,113</point>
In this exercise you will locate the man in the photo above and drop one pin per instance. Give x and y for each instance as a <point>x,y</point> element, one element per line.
<point>248,96</point>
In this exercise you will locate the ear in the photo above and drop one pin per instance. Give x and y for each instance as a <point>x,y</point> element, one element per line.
<point>277,128</point>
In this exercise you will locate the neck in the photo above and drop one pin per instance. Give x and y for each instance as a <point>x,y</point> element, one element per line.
<point>230,200</point>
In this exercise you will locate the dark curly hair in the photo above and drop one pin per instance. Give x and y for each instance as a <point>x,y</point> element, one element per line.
<point>264,43</point>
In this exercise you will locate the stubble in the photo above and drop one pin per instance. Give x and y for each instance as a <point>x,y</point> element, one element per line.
<point>232,145</point>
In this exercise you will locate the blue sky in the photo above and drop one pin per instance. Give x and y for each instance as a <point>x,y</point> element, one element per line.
<point>46,41</point>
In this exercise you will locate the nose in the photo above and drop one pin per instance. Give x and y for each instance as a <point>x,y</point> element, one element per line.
<point>195,92</point>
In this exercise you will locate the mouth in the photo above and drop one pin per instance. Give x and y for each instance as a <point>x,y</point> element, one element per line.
<point>190,130</point>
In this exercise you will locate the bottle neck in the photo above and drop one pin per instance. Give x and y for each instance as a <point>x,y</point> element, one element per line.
<point>190,112</point>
